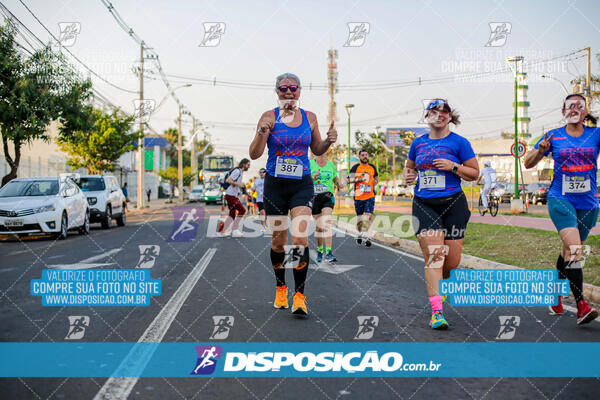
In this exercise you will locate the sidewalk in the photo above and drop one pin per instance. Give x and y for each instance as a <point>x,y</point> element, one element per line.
<point>154,205</point>
<point>508,220</point>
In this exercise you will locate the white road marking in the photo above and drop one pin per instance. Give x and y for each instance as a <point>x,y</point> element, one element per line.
<point>138,357</point>
<point>88,262</point>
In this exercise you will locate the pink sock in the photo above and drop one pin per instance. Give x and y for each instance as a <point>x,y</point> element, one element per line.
<point>436,303</point>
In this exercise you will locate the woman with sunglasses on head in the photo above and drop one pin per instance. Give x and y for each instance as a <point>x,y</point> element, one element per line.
<point>288,131</point>
<point>437,162</point>
<point>573,195</point>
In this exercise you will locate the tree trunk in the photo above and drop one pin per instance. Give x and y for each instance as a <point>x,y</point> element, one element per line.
<point>13,163</point>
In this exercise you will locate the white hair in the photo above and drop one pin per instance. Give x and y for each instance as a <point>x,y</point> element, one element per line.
<point>284,76</point>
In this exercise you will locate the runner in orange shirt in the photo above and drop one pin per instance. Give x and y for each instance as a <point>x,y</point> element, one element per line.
<point>365,177</point>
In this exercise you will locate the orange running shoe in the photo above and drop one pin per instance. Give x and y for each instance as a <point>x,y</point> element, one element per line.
<point>299,307</point>
<point>281,300</point>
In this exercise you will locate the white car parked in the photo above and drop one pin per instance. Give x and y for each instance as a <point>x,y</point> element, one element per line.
<point>43,206</point>
<point>196,194</point>
<point>106,199</point>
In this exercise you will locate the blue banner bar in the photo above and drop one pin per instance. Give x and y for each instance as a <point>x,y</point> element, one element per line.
<point>308,359</point>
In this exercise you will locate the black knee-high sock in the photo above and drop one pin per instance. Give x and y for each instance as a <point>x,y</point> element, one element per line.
<point>560,266</point>
<point>575,275</point>
<point>277,262</point>
<point>301,270</point>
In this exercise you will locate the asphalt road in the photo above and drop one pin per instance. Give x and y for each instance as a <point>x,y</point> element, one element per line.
<point>238,281</point>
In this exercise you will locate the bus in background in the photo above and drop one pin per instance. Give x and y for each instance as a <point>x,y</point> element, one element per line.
<point>213,169</point>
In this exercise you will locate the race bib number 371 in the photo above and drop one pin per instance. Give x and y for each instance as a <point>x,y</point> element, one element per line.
<point>288,167</point>
<point>431,180</point>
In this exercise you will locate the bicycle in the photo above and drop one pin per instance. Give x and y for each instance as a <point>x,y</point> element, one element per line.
<point>493,203</point>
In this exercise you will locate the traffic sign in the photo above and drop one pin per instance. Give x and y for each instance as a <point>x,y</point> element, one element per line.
<point>522,149</point>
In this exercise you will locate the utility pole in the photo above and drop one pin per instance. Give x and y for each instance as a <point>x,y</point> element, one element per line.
<point>349,108</point>
<point>141,153</point>
<point>193,153</point>
<point>394,167</point>
<point>588,88</point>
<point>377,155</point>
<point>332,84</point>
<point>179,159</point>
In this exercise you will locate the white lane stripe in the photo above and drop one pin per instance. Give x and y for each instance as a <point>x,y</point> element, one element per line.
<point>566,307</point>
<point>79,265</point>
<point>101,256</point>
<point>137,358</point>
<point>88,262</point>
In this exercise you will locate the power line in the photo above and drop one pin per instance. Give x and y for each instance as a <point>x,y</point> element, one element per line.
<point>154,55</point>
<point>366,86</point>
<point>54,37</point>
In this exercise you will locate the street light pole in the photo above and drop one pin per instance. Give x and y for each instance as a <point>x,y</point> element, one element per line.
<point>193,153</point>
<point>349,108</point>
<point>557,80</point>
<point>377,154</point>
<point>140,177</point>
<point>179,159</point>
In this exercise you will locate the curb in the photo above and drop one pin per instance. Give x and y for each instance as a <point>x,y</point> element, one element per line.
<point>590,292</point>
<point>135,211</point>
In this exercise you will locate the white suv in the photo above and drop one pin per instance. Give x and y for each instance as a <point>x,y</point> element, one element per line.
<point>105,198</point>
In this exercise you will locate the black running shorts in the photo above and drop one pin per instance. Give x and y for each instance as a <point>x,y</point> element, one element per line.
<point>321,201</point>
<point>283,194</point>
<point>448,214</point>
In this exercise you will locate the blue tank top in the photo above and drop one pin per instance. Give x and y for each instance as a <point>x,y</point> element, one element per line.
<point>288,148</point>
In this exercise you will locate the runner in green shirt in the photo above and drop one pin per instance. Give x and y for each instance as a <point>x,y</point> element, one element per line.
<point>324,176</point>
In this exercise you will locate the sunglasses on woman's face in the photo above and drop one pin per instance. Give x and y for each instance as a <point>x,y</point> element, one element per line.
<point>284,88</point>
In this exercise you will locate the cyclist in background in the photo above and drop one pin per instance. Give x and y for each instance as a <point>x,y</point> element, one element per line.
<point>489,176</point>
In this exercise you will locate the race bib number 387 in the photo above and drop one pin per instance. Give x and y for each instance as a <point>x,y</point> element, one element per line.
<point>288,167</point>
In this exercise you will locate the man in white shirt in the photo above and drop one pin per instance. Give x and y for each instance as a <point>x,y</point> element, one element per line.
<point>259,188</point>
<point>489,175</point>
<point>232,193</point>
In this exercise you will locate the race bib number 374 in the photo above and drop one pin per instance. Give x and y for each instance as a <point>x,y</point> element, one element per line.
<point>576,184</point>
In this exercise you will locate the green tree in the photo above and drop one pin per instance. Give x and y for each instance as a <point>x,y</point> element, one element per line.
<point>32,90</point>
<point>205,148</point>
<point>171,136</point>
<point>99,148</point>
<point>170,175</point>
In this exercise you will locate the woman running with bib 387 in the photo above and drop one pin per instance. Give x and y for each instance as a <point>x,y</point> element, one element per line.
<point>289,131</point>
<point>438,161</point>
<point>573,195</point>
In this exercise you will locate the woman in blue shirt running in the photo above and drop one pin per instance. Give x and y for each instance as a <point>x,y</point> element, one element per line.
<point>437,162</point>
<point>573,195</point>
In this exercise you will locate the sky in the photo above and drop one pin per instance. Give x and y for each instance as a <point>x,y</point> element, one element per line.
<point>406,41</point>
